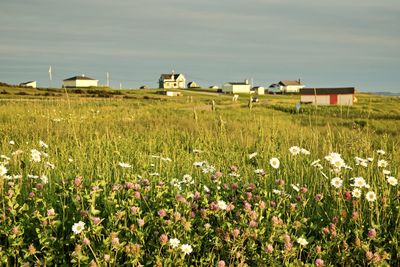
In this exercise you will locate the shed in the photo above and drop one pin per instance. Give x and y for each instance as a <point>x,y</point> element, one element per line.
<point>193,85</point>
<point>259,90</point>
<point>328,96</point>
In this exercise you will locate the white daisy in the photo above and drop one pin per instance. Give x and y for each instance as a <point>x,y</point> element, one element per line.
<point>35,155</point>
<point>43,144</point>
<point>356,193</point>
<point>302,241</point>
<point>381,152</point>
<point>274,163</point>
<point>392,180</point>
<point>186,249</point>
<point>78,227</point>
<point>174,242</point>
<point>359,182</point>
<point>370,196</point>
<point>3,170</point>
<point>305,151</point>
<point>382,163</point>
<point>221,204</point>
<point>337,182</point>
<point>295,150</point>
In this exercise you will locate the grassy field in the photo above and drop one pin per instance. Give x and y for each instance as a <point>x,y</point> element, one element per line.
<point>120,177</point>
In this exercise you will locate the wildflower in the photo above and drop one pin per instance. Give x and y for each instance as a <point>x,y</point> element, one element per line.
<point>269,248</point>
<point>70,159</point>
<point>124,165</point>
<point>252,155</point>
<point>222,205</point>
<point>78,227</point>
<point>31,249</point>
<point>3,170</point>
<point>50,165</point>
<point>35,155</point>
<point>186,249</point>
<point>140,222</point>
<point>359,182</point>
<point>295,187</point>
<point>197,151</point>
<point>260,172</point>
<point>206,189</point>
<point>51,212</point>
<point>154,174</point>
<point>392,181</point>
<point>380,152</point>
<point>305,151</point>
<point>370,196</point>
<point>294,150</point>
<point>372,233</point>
<point>302,241</point>
<point>221,263</point>
<point>163,239</point>
<point>43,144</point>
<point>86,241</point>
<point>11,142</point>
<point>162,213</point>
<point>347,195</point>
<point>44,179</point>
<point>319,262</point>
<point>356,193</point>
<point>337,182</point>
<point>174,242</point>
<point>274,163</point>
<point>382,163</point>
<point>166,159</point>
<point>386,172</point>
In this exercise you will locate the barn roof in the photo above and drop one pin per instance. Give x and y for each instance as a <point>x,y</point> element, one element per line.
<point>327,91</point>
<point>80,77</point>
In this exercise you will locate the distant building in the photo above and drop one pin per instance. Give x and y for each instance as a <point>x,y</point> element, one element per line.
<point>259,90</point>
<point>214,87</point>
<point>193,85</point>
<point>237,87</point>
<point>172,80</point>
<point>328,96</point>
<point>31,84</point>
<point>79,81</point>
<point>170,93</point>
<point>287,86</point>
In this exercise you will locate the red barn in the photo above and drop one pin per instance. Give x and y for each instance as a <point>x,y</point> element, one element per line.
<point>328,96</point>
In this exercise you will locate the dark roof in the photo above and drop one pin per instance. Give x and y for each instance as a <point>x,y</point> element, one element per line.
<point>287,82</point>
<point>327,91</point>
<point>238,83</point>
<point>81,77</point>
<point>169,76</point>
<point>26,82</point>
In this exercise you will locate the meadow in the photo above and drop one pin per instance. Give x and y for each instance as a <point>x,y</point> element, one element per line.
<point>139,179</point>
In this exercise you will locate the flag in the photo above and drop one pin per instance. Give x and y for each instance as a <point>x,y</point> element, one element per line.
<point>50,73</point>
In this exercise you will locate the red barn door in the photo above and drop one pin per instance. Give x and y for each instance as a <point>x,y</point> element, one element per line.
<point>333,99</point>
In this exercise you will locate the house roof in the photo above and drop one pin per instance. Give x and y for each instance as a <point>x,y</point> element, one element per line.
<point>169,76</point>
<point>27,82</point>
<point>289,82</point>
<point>238,83</point>
<point>327,91</point>
<point>80,77</point>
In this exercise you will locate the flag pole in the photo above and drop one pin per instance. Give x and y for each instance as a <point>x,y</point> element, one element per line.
<point>50,76</point>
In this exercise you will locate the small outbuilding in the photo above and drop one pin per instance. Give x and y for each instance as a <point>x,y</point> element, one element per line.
<point>290,86</point>
<point>328,96</point>
<point>79,82</point>
<point>31,84</point>
<point>259,90</point>
<point>193,85</point>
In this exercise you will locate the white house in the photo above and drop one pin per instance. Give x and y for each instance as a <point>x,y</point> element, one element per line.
<point>31,84</point>
<point>172,81</point>
<point>287,86</point>
<point>237,87</point>
<point>328,96</point>
<point>79,81</point>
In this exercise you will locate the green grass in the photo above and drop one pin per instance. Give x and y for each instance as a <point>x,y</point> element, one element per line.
<point>97,130</point>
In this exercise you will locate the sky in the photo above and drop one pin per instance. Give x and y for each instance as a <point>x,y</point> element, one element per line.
<point>323,43</point>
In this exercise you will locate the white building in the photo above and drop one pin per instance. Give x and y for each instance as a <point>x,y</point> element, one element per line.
<point>237,87</point>
<point>172,80</point>
<point>287,86</point>
<point>80,81</point>
<point>31,84</point>
<point>328,96</point>
<point>259,90</point>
